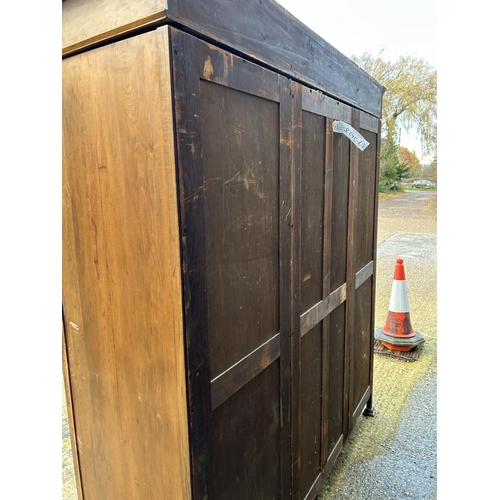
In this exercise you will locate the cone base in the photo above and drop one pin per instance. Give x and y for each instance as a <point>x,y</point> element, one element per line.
<point>398,343</point>
<point>398,347</point>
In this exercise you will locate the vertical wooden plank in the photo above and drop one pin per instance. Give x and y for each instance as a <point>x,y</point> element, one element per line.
<point>350,276</point>
<point>341,191</point>
<point>311,292</point>
<point>121,272</point>
<point>327,260</point>
<point>370,410</point>
<point>362,335</point>
<point>312,207</point>
<point>296,169</point>
<point>341,209</point>
<point>286,285</point>
<point>192,203</point>
<point>336,416</point>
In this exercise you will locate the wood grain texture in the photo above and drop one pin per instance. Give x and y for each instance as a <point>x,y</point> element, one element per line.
<point>240,134</point>
<point>336,377</point>
<point>327,258</point>
<point>360,344</point>
<point>317,102</point>
<point>121,272</point>
<point>310,408</point>
<point>235,145</point>
<point>234,378</point>
<point>364,273</point>
<point>312,207</point>
<point>88,22</point>
<point>350,278</point>
<point>369,403</point>
<point>368,122</point>
<point>246,440</point>
<point>261,30</point>
<point>340,210</point>
<point>365,202</point>
<point>295,146</point>
<point>186,77</point>
<point>322,309</point>
<point>265,32</point>
<point>287,122</point>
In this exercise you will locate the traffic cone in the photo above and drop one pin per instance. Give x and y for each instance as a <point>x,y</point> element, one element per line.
<point>398,334</point>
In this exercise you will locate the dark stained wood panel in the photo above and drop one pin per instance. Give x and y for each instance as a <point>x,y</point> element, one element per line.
<point>368,122</point>
<point>365,206</point>
<point>266,32</point>
<point>234,378</point>
<point>348,422</point>
<point>340,203</point>
<point>294,217</point>
<point>336,375</point>
<point>186,79</point>
<point>322,309</point>
<point>318,103</point>
<point>240,134</point>
<point>364,273</point>
<point>312,205</point>
<point>237,123</point>
<point>361,351</point>
<point>246,440</point>
<point>310,408</point>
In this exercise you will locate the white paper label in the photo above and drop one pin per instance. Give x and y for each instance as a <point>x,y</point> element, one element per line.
<point>352,133</point>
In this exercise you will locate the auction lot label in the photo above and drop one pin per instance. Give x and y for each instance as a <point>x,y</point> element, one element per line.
<point>352,133</point>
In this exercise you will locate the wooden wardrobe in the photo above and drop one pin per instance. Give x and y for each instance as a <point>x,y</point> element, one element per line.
<point>219,245</point>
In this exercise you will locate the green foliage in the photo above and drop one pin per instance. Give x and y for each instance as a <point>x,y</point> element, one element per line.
<point>392,170</point>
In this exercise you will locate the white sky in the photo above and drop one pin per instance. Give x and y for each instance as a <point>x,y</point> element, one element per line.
<point>355,26</point>
<point>398,27</point>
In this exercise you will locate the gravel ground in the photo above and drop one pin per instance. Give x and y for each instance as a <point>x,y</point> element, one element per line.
<point>393,455</point>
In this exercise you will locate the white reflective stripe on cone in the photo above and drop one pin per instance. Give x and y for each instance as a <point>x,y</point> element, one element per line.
<point>399,297</point>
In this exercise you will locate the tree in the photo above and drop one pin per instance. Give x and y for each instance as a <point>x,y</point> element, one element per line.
<point>392,170</point>
<point>410,159</point>
<point>410,100</point>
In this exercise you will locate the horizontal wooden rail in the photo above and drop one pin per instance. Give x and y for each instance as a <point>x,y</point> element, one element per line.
<point>363,274</point>
<point>361,405</point>
<point>322,309</point>
<point>368,122</point>
<point>234,378</point>
<point>316,102</point>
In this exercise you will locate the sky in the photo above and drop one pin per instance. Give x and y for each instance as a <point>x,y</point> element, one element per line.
<point>398,27</point>
<point>391,28</point>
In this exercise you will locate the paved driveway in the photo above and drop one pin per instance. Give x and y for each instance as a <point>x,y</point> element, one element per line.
<point>394,455</point>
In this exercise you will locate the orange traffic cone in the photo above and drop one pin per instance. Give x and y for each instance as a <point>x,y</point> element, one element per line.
<point>398,334</point>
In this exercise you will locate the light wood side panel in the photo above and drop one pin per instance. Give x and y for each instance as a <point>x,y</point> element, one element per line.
<point>85,22</point>
<point>121,272</point>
